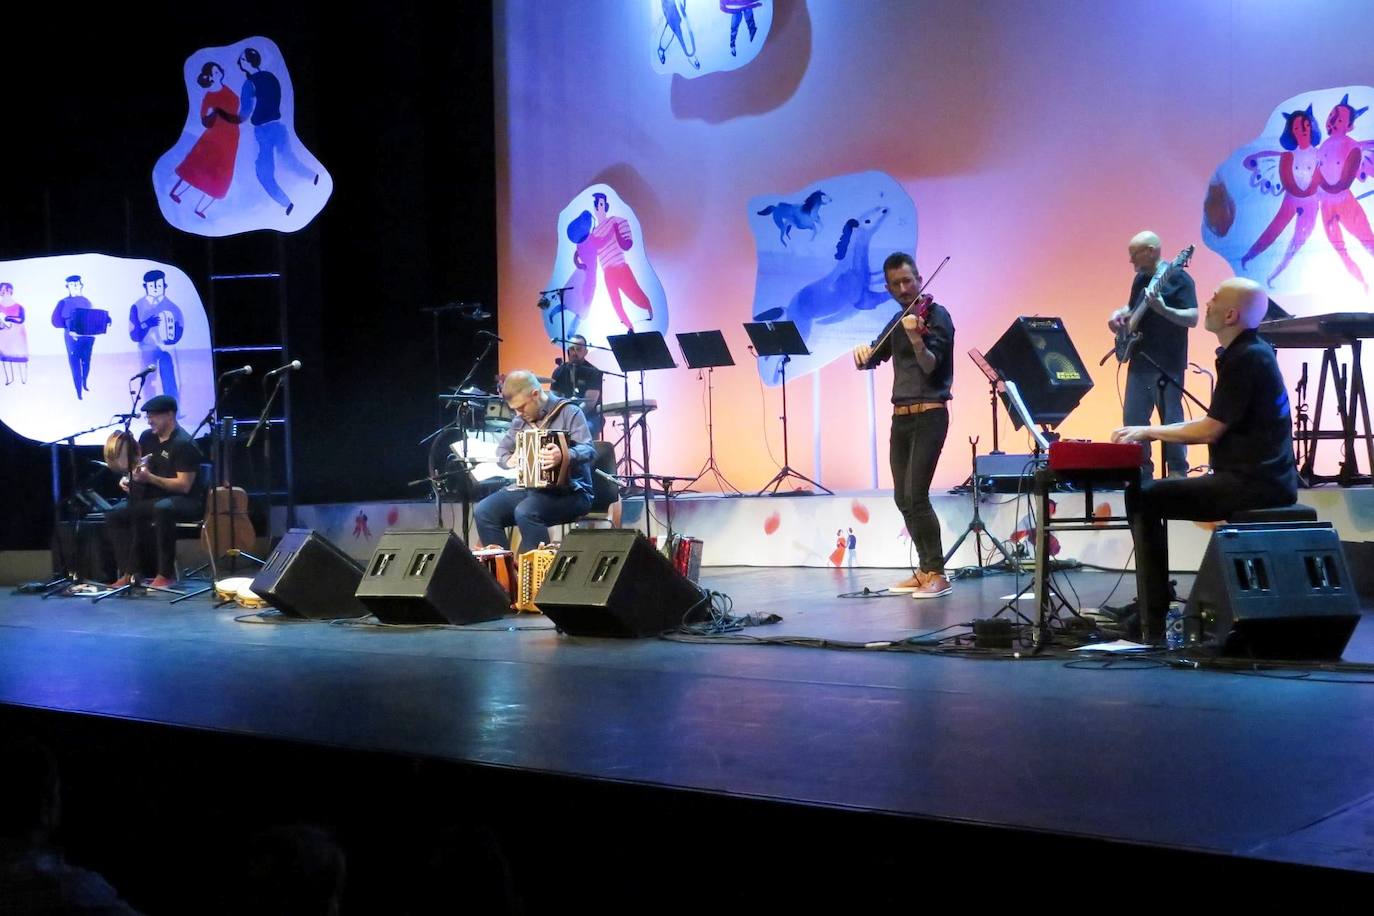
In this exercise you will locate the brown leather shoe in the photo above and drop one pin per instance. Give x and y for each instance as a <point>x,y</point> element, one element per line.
<point>933,585</point>
<point>907,585</point>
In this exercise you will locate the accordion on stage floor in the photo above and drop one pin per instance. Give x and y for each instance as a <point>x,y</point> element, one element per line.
<point>533,566</point>
<point>685,553</point>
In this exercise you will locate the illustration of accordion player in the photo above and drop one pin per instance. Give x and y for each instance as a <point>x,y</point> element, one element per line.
<point>549,447</point>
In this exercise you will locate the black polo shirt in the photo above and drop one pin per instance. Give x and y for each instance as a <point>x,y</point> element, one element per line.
<point>1251,400</point>
<point>166,459</point>
<point>910,383</point>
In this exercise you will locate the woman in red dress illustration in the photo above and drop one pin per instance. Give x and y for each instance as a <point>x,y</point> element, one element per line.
<point>209,166</point>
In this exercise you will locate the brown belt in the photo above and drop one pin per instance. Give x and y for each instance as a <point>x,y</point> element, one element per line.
<point>902,410</point>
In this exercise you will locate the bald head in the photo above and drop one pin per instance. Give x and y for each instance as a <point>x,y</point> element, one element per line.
<point>1237,305</point>
<point>1144,251</point>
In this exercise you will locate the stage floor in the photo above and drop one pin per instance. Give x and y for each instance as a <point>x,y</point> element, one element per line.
<point>1273,767</point>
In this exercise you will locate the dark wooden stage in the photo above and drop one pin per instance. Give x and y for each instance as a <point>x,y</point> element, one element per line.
<point>763,762</point>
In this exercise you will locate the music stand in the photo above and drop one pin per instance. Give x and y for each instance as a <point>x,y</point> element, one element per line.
<point>707,350</point>
<point>642,352</point>
<point>781,338</point>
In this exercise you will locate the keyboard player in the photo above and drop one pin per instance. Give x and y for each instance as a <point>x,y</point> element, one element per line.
<point>1248,431</point>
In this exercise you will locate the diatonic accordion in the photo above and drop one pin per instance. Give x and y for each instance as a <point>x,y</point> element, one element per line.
<point>528,444</point>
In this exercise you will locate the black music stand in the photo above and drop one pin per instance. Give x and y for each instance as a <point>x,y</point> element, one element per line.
<point>707,350</point>
<point>781,338</point>
<point>642,352</point>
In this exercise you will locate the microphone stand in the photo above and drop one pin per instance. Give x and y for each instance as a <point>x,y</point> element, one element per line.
<point>218,446</point>
<point>545,304</point>
<point>1165,380</point>
<point>462,417</point>
<point>70,579</point>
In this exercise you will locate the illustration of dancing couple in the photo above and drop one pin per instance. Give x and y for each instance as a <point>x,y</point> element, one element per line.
<point>209,166</point>
<point>600,238</point>
<point>1315,177</point>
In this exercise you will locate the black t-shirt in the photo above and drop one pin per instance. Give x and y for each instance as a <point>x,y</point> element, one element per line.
<point>910,384</point>
<point>1251,400</point>
<point>1165,341</point>
<point>574,380</point>
<point>166,459</point>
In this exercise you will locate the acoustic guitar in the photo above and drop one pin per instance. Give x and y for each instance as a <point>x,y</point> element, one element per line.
<point>227,529</point>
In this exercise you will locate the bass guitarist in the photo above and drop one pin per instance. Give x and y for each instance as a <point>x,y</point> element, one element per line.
<point>1164,338</point>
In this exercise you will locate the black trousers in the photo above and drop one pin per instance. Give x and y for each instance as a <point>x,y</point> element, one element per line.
<point>128,520</point>
<point>914,450</point>
<point>1203,499</point>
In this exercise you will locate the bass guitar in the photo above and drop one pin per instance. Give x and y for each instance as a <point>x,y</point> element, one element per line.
<point>1128,336</point>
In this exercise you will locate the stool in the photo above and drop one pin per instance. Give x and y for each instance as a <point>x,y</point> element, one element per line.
<point>1293,513</point>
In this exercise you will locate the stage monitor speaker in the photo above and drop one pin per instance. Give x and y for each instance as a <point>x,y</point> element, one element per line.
<point>429,576</point>
<point>1038,356</point>
<point>999,473</point>
<point>612,582</point>
<point>308,576</point>
<point>1276,590</point>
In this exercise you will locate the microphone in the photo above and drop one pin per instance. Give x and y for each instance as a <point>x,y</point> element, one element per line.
<point>242,370</point>
<point>1302,382</point>
<point>289,367</point>
<point>491,334</point>
<point>145,373</point>
<point>602,474</point>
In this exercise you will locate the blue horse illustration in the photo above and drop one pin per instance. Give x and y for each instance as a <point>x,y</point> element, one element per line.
<point>788,216</point>
<point>849,287</point>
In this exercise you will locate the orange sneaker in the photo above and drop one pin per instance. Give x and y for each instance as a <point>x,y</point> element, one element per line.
<point>907,585</point>
<point>122,581</point>
<point>933,585</point>
<point>163,582</point>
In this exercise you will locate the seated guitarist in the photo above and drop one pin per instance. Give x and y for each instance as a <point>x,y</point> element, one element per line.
<point>1249,434</point>
<point>163,489</point>
<point>534,510</point>
<point>1164,338</point>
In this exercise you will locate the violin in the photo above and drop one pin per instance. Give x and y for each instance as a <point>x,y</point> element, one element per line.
<point>920,307</point>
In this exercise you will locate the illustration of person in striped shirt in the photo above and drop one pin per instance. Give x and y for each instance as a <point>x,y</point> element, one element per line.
<point>613,238</point>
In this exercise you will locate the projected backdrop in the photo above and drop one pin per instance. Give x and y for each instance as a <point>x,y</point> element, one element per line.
<point>77,327</point>
<point>239,165</point>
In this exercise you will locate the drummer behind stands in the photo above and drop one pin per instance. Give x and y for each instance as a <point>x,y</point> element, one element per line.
<point>578,378</point>
<point>534,510</point>
<point>163,489</point>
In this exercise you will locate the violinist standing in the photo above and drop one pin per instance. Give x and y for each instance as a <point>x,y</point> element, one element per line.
<point>922,372</point>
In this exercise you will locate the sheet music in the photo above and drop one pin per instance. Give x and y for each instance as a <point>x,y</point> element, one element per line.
<point>482,458</point>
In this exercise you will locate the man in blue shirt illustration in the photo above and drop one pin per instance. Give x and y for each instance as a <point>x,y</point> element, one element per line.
<point>260,104</point>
